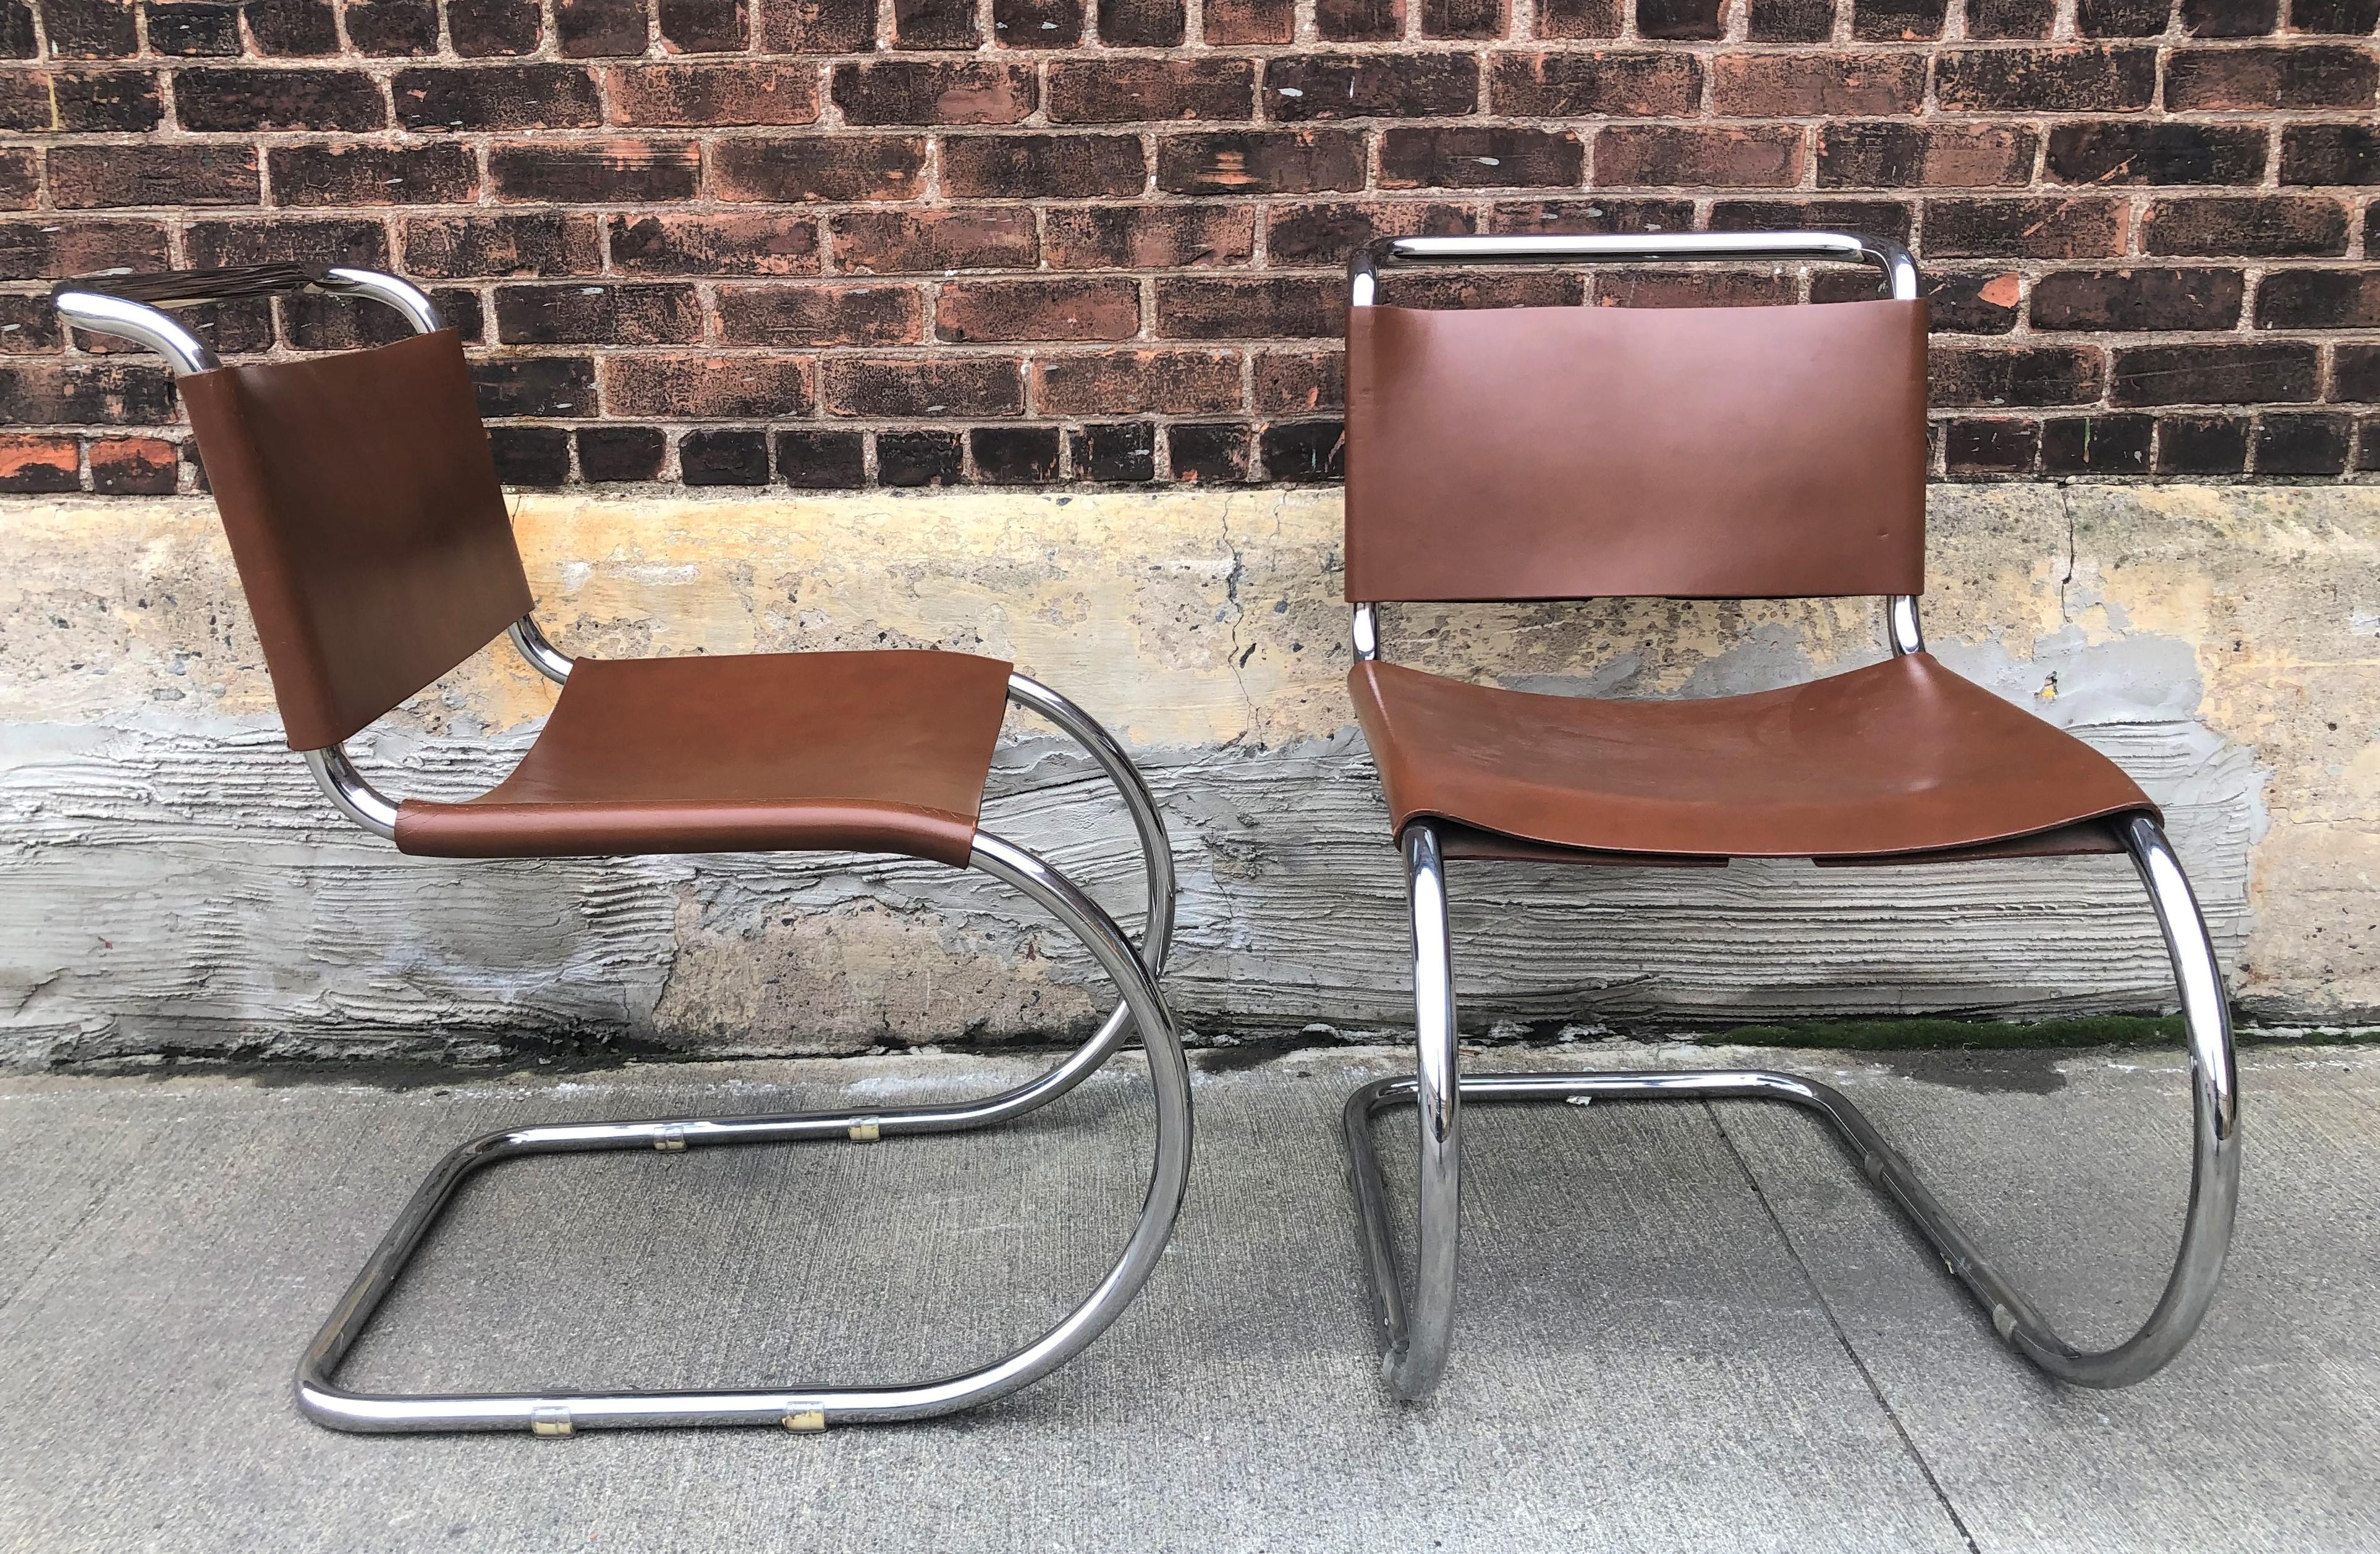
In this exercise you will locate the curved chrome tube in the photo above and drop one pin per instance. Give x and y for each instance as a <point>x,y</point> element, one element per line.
<point>1364,265</point>
<point>1364,633</point>
<point>558,1414</point>
<point>1902,631</point>
<point>403,296</point>
<point>139,324</point>
<point>349,794</point>
<point>542,656</point>
<point>1414,1339</point>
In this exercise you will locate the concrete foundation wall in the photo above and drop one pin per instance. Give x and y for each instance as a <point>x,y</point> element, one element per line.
<point>171,883</point>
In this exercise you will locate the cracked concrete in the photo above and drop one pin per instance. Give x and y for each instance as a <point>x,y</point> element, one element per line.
<point>176,886</point>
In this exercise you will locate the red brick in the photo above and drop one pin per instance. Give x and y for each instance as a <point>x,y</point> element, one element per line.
<point>908,388</point>
<point>932,92</point>
<point>134,466</point>
<point>1912,156</point>
<point>370,174</point>
<point>1260,162</point>
<point>1586,18</point>
<point>598,315</point>
<point>1813,85</point>
<point>672,95</point>
<point>1282,307</point>
<point>736,244</point>
<point>1698,157</point>
<point>1134,91</point>
<point>214,245</point>
<point>974,238</point>
<point>36,248</point>
<point>1629,85</point>
<point>817,26</point>
<point>1043,166</point>
<point>1236,22</point>
<point>934,24</point>
<point>623,171</point>
<point>805,169</point>
<point>1138,383</point>
<point>135,393</point>
<point>1318,86</point>
<point>1467,157</point>
<point>823,314</point>
<point>546,244</point>
<point>2050,79</point>
<point>89,177</point>
<point>1181,236</point>
<point>976,311</point>
<point>40,465</point>
<point>705,388</point>
<point>1294,382</point>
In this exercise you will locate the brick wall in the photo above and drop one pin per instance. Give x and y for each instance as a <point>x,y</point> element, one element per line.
<point>1017,241</point>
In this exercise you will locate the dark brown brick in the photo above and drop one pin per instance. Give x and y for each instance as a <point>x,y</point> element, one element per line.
<point>1138,383</point>
<point>2138,300</point>
<point>821,315</point>
<point>735,244</point>
<point>833,168</point>
<point>241,100</point>
<point>1298,235</point>
<point>1141,24</point>
<point>1898,21</point>
<point>202,31</point>
<point>497,97</point>
<point>135,393</point>
<point>822,460</point>
<point>2309,443</point>
<point>724,456</point>
<point>1359,22</point>
<point>2010,18</point>
<point>33,466</point>
<point>974,312</point>
<point>610,454</point>
<point>2015,377</point>
<point>1480,157</point>
<point>1788,22</point>
<point>1633,85</point>
<point>1680,19</point>
<point>2261,372</point>
<point>622,171</point>
<point>547,387</point>
<point>1597,19</point>
<point>1698,156</point>
<point>503,247</point>
<point>594,28</point>
<point>38,101</point>
<point>2062,80</point>
<point>705,388</point>
<point>2122,19</point>
<point>2233,19</point>
<point>906,387</point>
<point>2267,227</point>
<point>2201,444</point>
<point>301,29</point>
<point>2301,76</point>
<point>134,466</point>
<point>973,237</point>
<point>1043,166</point>
<point>1698,287</point>
<point>817,26</point>
<point>1181,236</point>
<point>530,456</point>
<point>702,25</point>
<point>483,27</point>
<point>1211,453</point>
<point>2072,228</point>
<point>608,314</point>
<point>932,92</point>
<point>2353,18</point>
<point>2319,299</point>
<point>1131,91</point>
<point>399,27</point>
<point>2135,152</point>
<point>1295,383</point>
<point>89,28</point>
<point>372,174</point>
<point>1884,218</point>
<point>2096,444</point>
<point>920,458</point>
<point>93,177</point>
<point>1912,156</point>
<point>20,178</point>
<point>1304,450</point>
<point>934,24</point>
<point>2355,375</point>
<point>1992,445</point>
<point>678,95</point>
<point>36,249</point>
<point>1114,453</point>
<point>1813,85</point>
<point>1278,307</point>
<point>1229,23</point>
<point>2367,446</point>
<point>1320,86</point>
<point>1014,455</point>
<point>215,245</point>
<point>1592,215</point>
<point>1261,162</point>
<point>29,325</point>
<point>2330,153</point>
<point>1048,24</point>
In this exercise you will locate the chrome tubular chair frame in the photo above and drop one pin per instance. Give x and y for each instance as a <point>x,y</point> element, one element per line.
<point>1140,1007</point>
<point>1413,1335</point>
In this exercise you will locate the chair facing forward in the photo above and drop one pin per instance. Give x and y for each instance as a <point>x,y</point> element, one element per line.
<point>1725,453</point>
<point>372,542</point>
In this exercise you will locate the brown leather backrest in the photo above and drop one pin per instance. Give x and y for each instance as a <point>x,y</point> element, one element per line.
<point>1583,453</point>
<point>364,515</point>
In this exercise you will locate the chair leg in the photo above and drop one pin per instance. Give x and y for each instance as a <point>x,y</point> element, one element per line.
<point>801,1408</point>
<point>2206,1222</point>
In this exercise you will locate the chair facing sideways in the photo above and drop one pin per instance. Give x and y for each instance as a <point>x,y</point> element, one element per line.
<point>1549,453</point>
<point>372,542</point>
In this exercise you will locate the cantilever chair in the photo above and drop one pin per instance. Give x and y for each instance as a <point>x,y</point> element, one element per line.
<point>1543,454</point>
<point>372,542</point>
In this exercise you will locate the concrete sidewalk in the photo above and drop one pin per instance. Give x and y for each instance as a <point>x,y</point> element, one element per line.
<point>1686,1326</point>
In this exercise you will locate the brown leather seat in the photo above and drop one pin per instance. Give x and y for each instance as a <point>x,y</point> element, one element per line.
<point>1896,761</point>
<point>880,751</point>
